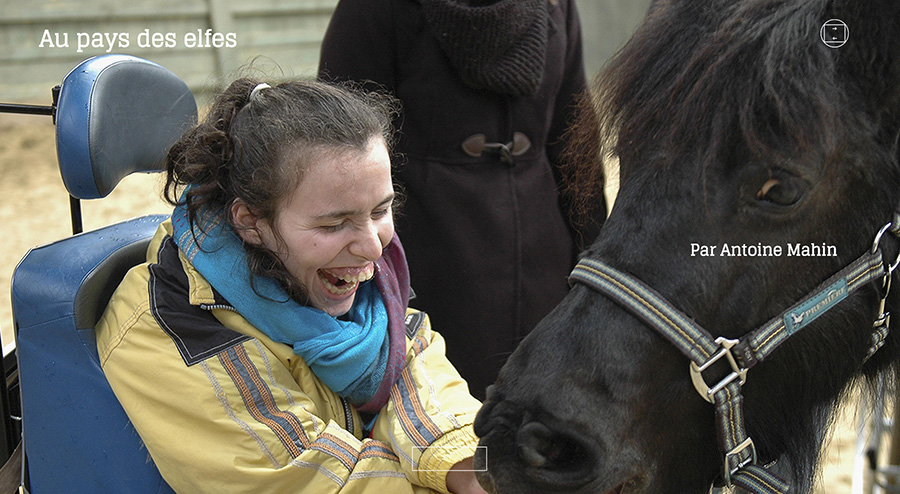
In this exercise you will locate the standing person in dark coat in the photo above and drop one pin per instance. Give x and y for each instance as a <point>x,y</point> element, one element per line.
<point>488,88</point>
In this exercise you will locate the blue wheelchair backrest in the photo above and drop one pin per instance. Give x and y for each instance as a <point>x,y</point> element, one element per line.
<point>115,115</point>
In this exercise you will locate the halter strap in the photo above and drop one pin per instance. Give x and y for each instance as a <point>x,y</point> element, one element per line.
<point>759,344</point>
<point>740,463</point>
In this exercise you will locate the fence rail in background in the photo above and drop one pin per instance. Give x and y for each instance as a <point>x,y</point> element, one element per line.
<point>280,37</point>
<point>203,41</point>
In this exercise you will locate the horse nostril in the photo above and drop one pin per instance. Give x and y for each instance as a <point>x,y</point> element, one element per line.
<point>537,445</point>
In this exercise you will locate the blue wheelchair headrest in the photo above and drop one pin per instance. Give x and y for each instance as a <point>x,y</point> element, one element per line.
<point>116,115</point>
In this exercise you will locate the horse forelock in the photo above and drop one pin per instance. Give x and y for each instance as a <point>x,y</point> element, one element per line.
<point>757,67</point>
<point>698,78</point>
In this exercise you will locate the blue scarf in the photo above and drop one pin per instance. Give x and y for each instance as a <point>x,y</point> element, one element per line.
<point>358,356</point>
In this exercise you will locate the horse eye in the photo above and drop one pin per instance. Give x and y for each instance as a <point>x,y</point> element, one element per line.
<point>780,192</point>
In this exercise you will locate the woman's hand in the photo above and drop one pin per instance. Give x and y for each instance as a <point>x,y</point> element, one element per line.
<point>461,479</point>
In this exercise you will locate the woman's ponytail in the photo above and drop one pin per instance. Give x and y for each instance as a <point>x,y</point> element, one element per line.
<point>201,157</point>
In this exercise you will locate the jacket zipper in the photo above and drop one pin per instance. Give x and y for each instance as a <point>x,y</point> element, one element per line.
<point>217,306</point>
<point>348,417</point>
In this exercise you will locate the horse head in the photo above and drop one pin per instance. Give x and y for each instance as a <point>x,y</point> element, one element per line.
<point>756,164</point>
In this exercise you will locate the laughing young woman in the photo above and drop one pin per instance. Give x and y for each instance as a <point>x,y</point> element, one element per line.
<point>266,345</point>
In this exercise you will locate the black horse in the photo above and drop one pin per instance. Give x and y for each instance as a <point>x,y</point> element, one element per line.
<point>756,162</point>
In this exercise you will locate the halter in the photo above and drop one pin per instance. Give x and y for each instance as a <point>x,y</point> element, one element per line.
<point>740,466</point>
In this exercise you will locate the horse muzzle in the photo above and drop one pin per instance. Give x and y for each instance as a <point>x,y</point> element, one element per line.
<point>521,453</point>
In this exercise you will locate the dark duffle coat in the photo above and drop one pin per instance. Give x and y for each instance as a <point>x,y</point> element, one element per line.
<point>488,241</point>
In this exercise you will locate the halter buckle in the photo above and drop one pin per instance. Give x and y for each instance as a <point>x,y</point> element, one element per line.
<point>700,385</point>
<point>736,452</point>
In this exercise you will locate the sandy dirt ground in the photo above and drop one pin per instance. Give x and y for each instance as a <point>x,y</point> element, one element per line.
<point>34,210</point>
<point>34,205</point>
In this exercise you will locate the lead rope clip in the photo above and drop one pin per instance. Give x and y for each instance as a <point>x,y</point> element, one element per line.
<point>882,325</point>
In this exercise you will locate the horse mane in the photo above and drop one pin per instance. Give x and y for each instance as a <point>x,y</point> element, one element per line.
<point>697,75</point>
<point>699,80</point>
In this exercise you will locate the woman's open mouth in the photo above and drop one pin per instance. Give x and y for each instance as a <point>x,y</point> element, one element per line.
<point>343,281</point>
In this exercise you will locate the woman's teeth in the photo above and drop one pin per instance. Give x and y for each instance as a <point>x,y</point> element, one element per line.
<point>347,282</point>
<point>363,276</point>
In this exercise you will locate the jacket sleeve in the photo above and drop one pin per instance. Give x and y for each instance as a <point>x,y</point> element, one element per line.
<point>242,421</point>
<point>574,82</point>
<point>359,44</point>
<point>428,420</point>
<point>584,225</point>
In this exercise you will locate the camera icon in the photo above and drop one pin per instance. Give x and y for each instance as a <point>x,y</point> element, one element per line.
<point>834,33</point>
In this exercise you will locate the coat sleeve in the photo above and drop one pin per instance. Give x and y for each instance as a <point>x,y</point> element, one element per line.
<point>242,421</point>
<point>359,44</point>
<point>573,83</point>
<point>428,420</point>
<point>584,225</point>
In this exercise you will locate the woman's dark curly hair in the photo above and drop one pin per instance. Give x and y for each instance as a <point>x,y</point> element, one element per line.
<point>236,151</point>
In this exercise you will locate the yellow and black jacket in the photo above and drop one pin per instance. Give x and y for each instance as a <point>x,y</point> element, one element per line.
<point>223,408</point>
